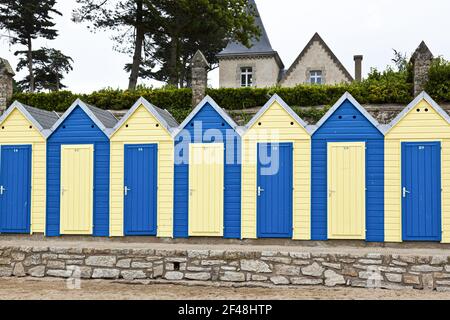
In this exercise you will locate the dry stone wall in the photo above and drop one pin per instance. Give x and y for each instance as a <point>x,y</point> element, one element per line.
<point>233,267</point>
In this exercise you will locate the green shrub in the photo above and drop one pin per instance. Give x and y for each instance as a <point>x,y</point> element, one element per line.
<point>439,84</point>
<point>379,88</point>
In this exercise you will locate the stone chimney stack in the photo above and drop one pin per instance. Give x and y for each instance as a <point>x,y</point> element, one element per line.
<point>6,84</point>
<point>421,60</point>
<point>358,67</point>
<point>200,68</point>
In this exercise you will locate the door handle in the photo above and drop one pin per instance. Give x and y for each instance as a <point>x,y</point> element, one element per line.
<point>260,190</point>
<point>405,192</point>
<point>127,190</point>
<point>330,193</point>
<point>191,192</point>
<point>2,190</point>
<point>63,191</point>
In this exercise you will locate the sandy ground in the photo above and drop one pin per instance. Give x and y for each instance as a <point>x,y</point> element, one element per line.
<point>56,289</point>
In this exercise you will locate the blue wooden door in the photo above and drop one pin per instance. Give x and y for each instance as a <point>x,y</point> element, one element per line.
<point>15,189</point>
<point>421,191</point>
<point>275,190</point>
<point>141,187</point>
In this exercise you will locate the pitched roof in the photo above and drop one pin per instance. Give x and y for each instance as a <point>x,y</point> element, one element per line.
<point>163,116</point>
<point>280,101</point>
<point>356,104</point>
<point>105,120</point>
<point>219,110</point>
<point>41,119</point>
<point>318,38</point>
<point>259,47</point>
<point>422,50</point>
<point>104,116</point>
<point>4,64</point>
<point>412,105</point>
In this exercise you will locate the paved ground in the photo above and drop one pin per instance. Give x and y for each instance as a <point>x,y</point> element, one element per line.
<point>49,289</point>
<point>342,247</point>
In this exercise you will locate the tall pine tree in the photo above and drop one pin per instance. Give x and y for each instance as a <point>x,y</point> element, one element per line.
<point>50,66</point>
<point>131,20</point>
<point>27,20</point>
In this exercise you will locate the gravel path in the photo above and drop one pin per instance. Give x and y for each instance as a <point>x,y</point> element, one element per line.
<point>49,289</point>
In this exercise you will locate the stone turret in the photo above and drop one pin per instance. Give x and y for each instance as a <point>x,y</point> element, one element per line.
<point>6,84</point>
<point>421,60</point>
<point>200,67</point>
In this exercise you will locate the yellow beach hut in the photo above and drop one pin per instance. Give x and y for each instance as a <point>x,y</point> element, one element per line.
<point>142,172</point>
<point>23,134</point>
<point>417,168</point>
<point>276,174</point>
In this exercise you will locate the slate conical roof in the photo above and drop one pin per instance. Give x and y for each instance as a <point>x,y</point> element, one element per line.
<point>259,46</point>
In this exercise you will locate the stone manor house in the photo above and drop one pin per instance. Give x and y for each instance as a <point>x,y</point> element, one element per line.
<point>261,66</point>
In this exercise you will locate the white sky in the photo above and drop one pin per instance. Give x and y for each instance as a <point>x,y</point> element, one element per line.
<point>370,27</point>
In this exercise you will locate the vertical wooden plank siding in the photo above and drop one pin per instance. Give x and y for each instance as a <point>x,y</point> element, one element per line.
<point>209,119</point>
<point>348,124</point>
<point>206,181</point>
<point>77,129</point>
<point>16,132</point>
<point>277,125</point>
<point>143,128</point>
<point>77,189</point>
<point>415,127</point>
<point>347,191</point>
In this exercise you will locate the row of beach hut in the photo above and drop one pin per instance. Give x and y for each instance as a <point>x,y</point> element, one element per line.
<point>346,178</point>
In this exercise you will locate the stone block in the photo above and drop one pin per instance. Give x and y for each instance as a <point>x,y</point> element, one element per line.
<point>306,281</point>
<point>333,279</point>
<point>37,272</point>
<point>314,270</point>
<point>174,275</point>
<point>255,266</point>
<point>286,270</point>
<point>231,276</point>
<point>200,276</point>
<point>101,261</point>
<point>133,274</point>
<point>106,274</point>
<point>279,280</point>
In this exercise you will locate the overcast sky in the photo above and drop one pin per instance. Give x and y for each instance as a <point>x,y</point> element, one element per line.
<point>370,27</point>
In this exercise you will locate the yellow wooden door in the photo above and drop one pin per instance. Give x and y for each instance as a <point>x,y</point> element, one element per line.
<point>206,190</point>
<point>347,191</point>
<point>77,185</point>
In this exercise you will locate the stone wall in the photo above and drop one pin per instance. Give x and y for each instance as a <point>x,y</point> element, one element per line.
<point>6,84</point>
<point>390,271</point>
<point>266,72</point>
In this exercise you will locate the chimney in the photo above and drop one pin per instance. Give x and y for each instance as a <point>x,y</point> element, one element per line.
<point>358,67</point>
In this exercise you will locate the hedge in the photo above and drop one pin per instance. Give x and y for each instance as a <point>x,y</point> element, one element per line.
<point>391,89</point>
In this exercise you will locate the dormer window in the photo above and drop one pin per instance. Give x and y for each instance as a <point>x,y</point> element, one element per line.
<point>246,77</point>
<point>315,77</point>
